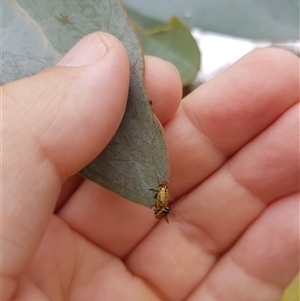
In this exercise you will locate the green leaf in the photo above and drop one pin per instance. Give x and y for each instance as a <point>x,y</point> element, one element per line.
<point>36,34</point>
<point>170,41</point>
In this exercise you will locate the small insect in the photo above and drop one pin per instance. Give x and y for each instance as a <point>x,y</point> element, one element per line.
<point>162,208</point>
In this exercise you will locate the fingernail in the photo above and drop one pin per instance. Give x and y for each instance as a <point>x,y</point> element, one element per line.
<point>85,52</point>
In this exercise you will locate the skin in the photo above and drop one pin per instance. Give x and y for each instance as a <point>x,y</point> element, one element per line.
<point>234,154</point>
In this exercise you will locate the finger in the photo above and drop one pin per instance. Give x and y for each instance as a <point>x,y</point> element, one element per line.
<point>262,262</point>
<point>214,214</point>
<point>164,87</point>
<point>218,118</point>
<point>234,196</point>
<point>51,128</point>
<point>105,218</point>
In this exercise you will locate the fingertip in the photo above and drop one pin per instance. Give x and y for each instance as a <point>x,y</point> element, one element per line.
<point>91,48</point>
<point>271,56</point>
<point>164,87</point>
<point>276,64</point>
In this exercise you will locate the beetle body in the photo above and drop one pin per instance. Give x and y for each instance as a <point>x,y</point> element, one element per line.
<point>162,208</point>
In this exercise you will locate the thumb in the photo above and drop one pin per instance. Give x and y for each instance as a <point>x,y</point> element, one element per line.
<point>54,123</point>
<point>68,115</point>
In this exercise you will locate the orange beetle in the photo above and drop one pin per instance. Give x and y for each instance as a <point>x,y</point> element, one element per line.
<point>162,208</point>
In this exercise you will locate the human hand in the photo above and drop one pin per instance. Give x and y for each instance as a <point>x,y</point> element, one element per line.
<point>233,146</point>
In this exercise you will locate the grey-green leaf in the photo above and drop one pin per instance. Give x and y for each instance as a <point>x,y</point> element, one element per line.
<point>36,34</point>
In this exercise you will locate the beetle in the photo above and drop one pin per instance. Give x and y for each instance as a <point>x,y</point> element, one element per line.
<point>162,208</point>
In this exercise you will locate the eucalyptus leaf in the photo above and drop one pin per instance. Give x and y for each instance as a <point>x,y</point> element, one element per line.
<point>36,34</point>
<point>171,41</point>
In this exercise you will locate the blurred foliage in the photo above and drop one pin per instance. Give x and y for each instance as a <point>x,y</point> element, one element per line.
<point>275,20</point>
<point>171,41</point>
<point>292,291</point>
